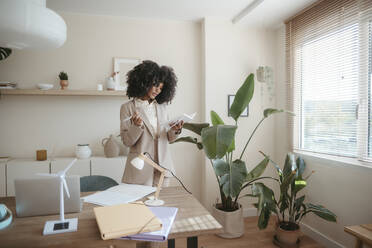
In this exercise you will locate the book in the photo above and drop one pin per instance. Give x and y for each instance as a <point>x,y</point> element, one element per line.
<point>122,193</point>
<point>184,117</point>
<point>125,219</point>
<point>167,216</point>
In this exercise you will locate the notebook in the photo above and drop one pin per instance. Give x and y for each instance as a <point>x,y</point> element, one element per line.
<point>41,196</point>
<point>125,219</point>
<point>166,216</point>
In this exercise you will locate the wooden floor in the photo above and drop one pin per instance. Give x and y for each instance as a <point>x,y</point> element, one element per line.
<point>253,237</point>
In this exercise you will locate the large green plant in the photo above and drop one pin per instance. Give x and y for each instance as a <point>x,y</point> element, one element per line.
<point>218,143</point>
<point>290,208</point>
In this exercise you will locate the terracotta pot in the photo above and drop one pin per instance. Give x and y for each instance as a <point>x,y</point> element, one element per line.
<point>64,84</point>
<point>232,222</point>
<point>287,237</point>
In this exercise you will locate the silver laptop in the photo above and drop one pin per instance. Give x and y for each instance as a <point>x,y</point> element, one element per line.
<point>41,196</point>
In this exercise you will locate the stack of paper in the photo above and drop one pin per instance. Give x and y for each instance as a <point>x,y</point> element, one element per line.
<point>166,216</point>
<point>125,219</point>
<point>122,193</point>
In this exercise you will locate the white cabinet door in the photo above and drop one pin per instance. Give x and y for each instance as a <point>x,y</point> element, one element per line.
<point>23,168</point>
<point>110,167</point>
<point>81,167</point>
<point>2,179</point>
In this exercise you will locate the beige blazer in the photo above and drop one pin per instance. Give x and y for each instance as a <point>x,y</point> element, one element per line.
<point>145,139</point>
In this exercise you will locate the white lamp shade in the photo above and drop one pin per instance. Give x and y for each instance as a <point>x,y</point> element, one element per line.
<point>138,163</point>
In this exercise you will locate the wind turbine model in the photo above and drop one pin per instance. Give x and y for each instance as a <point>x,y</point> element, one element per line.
<point>63,225</point>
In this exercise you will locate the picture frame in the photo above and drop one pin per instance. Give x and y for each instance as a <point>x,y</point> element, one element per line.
<point>230,100</point>
<point>121,67</point>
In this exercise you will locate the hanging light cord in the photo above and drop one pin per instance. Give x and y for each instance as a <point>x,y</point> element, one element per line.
<point>146,153</point>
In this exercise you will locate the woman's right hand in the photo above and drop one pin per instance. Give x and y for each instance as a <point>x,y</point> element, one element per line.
<point>136,118</point>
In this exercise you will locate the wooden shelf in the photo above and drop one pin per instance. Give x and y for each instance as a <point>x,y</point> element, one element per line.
<point>63,92</point>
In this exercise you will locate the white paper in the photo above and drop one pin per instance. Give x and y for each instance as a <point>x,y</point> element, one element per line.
<point>184,117</point>
<point>122,193</point>
<point>166,216</point>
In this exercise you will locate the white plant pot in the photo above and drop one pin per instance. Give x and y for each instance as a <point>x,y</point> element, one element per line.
<point>232,222</point>
<point>83,151</point>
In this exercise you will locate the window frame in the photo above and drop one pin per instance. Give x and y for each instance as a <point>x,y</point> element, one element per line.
<point>364,128</point>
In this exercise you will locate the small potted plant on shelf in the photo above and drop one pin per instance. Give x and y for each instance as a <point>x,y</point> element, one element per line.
<point>291,206</point>
<point>218,143</point>
<point>64,80</point>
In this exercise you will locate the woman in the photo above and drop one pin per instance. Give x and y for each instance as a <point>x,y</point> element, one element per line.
<point>150,89</point>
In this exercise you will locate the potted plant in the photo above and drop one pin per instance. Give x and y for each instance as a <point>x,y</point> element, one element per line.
<point>64,80</point>
<point>291,206</point>
<point>218,143</point>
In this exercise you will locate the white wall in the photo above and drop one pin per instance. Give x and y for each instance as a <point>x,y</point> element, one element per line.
<point>231,53</point>
<point>29,123</point>
<point>343,188</point>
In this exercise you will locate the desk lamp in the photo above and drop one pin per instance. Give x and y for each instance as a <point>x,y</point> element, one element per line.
<point>138,163</point>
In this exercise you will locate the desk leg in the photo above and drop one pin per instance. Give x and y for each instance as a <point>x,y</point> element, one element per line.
<point>192,242</point>
<point>358,243</point>
<point>171,243</point>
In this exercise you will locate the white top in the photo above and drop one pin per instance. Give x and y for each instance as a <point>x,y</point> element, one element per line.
<point>150,112</point>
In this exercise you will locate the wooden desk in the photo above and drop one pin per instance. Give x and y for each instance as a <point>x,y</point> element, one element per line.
<point>363,234</point>
<point>192,220</point>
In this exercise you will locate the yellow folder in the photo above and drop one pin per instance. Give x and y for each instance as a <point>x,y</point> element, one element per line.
<point>125,219</point>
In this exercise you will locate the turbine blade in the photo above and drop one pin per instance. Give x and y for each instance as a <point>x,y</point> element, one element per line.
<point>69,166</point>
<point>66,188</point>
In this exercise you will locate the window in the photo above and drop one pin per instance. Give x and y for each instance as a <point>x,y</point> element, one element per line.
<point>329,57</point>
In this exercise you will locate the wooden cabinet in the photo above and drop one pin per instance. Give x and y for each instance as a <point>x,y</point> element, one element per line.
<point>23,168</point>
<point>81,167</point>
<point>110,167</point>
<point>2,179</point>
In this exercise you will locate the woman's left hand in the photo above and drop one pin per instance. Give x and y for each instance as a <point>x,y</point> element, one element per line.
<point>178,126</point>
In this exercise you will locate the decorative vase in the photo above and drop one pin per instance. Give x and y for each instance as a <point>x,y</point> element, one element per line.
<point>83,151</point>
<point>232,222</point>
<point>287,238</point>
<point>110,147</point>
<point>64,84</point>
<point>110,84</point>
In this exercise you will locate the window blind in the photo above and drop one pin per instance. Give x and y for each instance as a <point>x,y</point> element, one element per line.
<point>328,49</point>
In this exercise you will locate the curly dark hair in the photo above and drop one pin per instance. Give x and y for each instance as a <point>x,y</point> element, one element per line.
<point>169,80</point>
<point>148,74</point>
<point>141,78</point>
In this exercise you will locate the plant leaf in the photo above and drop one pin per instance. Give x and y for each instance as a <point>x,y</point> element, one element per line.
<point>189,139</point>
<point>233,180</point>
<point>4,52</point>
<point>216,119</point>
<point>278,169</point>
<point>195,127</point>
<point>216,140</point>
<point>300,163</point>
<point>271,111</point>
<point>258,170</point>
<point>266,203</point>
<point>289,165</point>
<point>220,167</point>
<point>299,185</point>
<point>243,97</point>
<point>298,203</point>
<point>322,212</point>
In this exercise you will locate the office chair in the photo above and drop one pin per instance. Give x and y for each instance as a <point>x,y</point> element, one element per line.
<point>96,183</point>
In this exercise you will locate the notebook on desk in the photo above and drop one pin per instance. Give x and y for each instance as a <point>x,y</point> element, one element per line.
<point>41,196</point>
<point>125,219</point>
<point>166,216</point>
